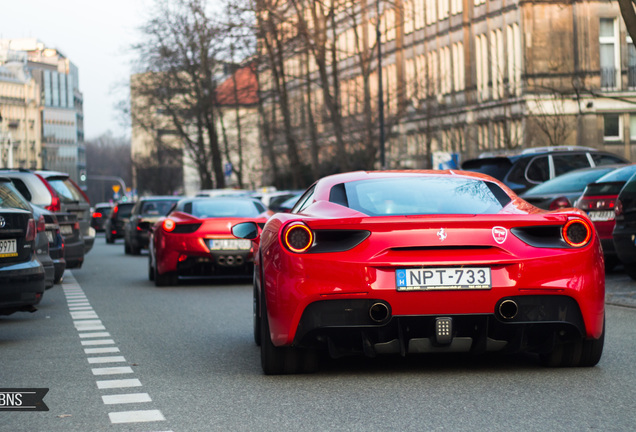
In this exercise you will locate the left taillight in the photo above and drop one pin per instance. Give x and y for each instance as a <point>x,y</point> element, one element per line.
<point>298,237</point>
<point>31,230</point>
<point>576,232</point>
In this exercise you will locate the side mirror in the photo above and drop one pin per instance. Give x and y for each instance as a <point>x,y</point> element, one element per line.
<point>245,230</point>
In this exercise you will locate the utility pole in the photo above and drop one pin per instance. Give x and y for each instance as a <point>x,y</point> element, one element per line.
<point>380,89</point>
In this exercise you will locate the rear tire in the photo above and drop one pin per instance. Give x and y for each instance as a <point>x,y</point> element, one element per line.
<point>151,269</point>
<point>584,352</point>
<point>630,269</point>
<point>257,319</point>
<point>109,239</point>
<point>592,350</point>
<point>165,279</point>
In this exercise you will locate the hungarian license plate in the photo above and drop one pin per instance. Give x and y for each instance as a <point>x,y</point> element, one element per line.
<point>443,278</point>
<point>66,229</point>
<point>600,216</point>
<point>8,248</point>
<point>229,244</point>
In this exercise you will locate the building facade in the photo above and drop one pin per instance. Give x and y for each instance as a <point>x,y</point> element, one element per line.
<point>457,76</point>
<point>61,105</point>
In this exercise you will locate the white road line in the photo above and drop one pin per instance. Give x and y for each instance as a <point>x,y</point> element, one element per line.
<point>126,398</point>
<point>80,304</point>
<point>93,335</point>
<point>90,328</point>
<point>87,322</point>
<point>101,350</point>
<point>136,416</point>
<point>98,342</point>
<point>112,370</point>
<point>80,308</point>
<point>122,383</point>
<point>112,359</point>
<point>83,315</point>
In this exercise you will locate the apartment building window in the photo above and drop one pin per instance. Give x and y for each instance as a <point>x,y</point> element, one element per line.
<point>442,9</point>
<point>446,73</point>
<point>632,127</point>
<point>631,63</point>
<point>456,7</point>
<point>497,62</point>
<point>409,16</point>
<point>458,66</point>
<point>431,11</point>
<point>480,2</point>
<point>612,127</point>
<point>481,66</point>
<point>419,10</point>
<point>609,54</point>
<point>514,59</point>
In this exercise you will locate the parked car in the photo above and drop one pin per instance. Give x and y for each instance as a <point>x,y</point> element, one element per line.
<point>116,221</point>
<point>599,202</point>
<point>56,244</point>
<point>195,241</point>
<point>22,276</point>
<point>42,246</point>
<point>564,190</point>
<point>55,191</point>
<point>424,262</point>
<point>143,216</point>
<point>521,171</point>
<point>624,233</point>
<point>99,215</point>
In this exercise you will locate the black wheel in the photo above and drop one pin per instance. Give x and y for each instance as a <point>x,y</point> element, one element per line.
<point>630,269</point>
<point>151,269</point>
<point>134,250</point>
<point>610,263</point>
<point>257,318</point>
<point>282,360</point>
<point>165,279</point>
<point>110,239</point>
<point>126,248</point>
<point>592,350</point>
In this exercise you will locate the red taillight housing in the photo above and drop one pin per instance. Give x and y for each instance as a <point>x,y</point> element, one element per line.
<point>116,209</point>
<point>41,226</point>
<point>168,225</point>
<point>618,210</point>
<point>559,203</point>
<point>97,214</point>
<point>577,232</point>
<point>298,238</point>
<point>55,205</point>
<point>31,230</point>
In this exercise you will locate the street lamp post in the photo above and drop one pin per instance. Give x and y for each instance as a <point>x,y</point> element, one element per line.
<point>380,89</point>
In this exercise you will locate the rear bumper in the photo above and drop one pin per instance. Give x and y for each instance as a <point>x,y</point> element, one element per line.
<point>21,286</point>
<point>89,240</point>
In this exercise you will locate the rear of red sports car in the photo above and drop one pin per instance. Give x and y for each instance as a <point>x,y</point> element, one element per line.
<point>430,262</point>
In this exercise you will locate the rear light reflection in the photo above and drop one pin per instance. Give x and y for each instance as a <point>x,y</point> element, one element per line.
<point>559,203</point>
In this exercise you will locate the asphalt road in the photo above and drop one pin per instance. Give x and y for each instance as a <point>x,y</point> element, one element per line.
<point>183,359</point>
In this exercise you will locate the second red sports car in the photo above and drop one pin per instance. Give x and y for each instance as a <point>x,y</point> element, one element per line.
<point>195,240</point>
<point>424,262</point>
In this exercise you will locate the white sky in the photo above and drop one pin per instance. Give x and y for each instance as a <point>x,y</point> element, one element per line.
<point>94,35</point>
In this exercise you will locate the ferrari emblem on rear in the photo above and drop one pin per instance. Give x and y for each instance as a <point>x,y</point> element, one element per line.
<point>442,234</point>
<point>499,234</point>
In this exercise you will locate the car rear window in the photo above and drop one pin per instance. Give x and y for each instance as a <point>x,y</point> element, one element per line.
<point>218,207</point>
<point>66,190</point>
<point>606,188</point>
<point>11,198</point>
<point>494,167</point>
<point>156,208</point>
<point>424,195</point>
<point>124,210</point>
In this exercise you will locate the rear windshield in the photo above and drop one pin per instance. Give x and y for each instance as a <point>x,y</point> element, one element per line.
<point>571,182</point>
<point>424,195</point>
<point>494,167</point>
<point>11,198</point>
<point>607,188</point>
<point>124,210</point>
<point>156,208</point>
<point>224,208</point>
<point>66,190</point>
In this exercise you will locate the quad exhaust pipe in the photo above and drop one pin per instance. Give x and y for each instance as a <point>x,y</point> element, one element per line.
<point>230,260</point>
<point>379,312</point>
<point>508,309</point>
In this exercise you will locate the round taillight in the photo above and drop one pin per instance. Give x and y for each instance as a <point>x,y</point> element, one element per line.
<point>577,233</point>
<point>298,238</point>
<point>168,225</point>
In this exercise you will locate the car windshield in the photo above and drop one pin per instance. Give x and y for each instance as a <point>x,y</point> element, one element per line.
<point>218,207</point>
<point>11,198</point>
<point>66,190</point>
<point>156,208</point>
<point>574,181</point>
<point>425,195</point>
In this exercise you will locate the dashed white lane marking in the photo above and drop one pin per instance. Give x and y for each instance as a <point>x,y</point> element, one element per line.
<point>112,370</point>
<point>91,328</point>
<point>120,383</point>
<point>111,359</point>
<point>136,416</point>
<point>98,342</point>
<point>126,398</point>
<point>101,350</point>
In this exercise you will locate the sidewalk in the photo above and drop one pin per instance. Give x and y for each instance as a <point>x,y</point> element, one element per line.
<point>620,289</point>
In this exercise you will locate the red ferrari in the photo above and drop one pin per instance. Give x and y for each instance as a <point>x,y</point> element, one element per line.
<point>195,241</point>
<point>424,262</point>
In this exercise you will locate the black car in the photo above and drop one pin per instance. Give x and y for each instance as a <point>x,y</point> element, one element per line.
<point>99,215</point>
<point>22,276</point>
<point>144,214</point>
<point>534,166</point>
<point>624,234</point>
<point>42,247</point>
<point>56,244</point>
<point>116,221</point>
<point>564,190</point>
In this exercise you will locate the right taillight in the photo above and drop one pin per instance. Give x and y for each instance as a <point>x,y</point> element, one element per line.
<point>31,230</point>
<point>577,232</point>
<point>168,225</point>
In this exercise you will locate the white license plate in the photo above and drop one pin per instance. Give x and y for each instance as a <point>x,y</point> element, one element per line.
<point>443,278</point>
<point>66,229</point>
<point>8,248</point>
<point>50,236</point>
<point>229,244</point>
<point>601,216</point>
